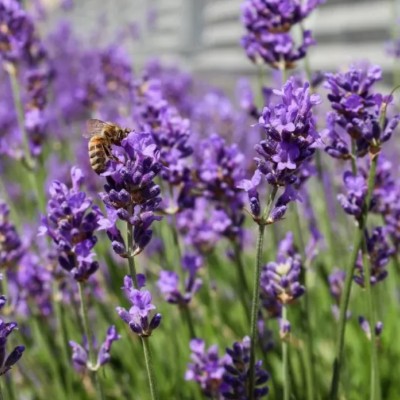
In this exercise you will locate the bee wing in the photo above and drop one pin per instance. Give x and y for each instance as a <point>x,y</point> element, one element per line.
<point>94,127</point>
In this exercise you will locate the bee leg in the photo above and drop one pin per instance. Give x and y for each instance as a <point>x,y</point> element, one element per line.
<point>107,152</point>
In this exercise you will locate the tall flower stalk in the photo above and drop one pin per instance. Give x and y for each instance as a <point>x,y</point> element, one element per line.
<point>132,196</point>
<point>24,59</point>
<point>28,161</point>
<point>360,113</point>
<point>89,335</point>
<point>70,222</point>
<point>358,240</point>
<point>290,141</point>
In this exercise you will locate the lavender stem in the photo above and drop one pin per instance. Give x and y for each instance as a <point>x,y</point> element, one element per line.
<point>146,348</point>
<point>256,291</point>
<point>33,177</point>
<point>173,228</point>
<point>348,281</point>
<point>254,309</point>
<point>243,287</point>
<point>374,384</point>
<point>149,368</point>
<point>131,258</point>
<point>89,337</point>
<point>310,374</point>
<point>60,317</point>
<point>185,311</point>
<point>285,361</point>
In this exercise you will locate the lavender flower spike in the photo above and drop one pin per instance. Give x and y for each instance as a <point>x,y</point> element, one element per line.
<point>268,23</point>
<point>168,282</point>
<point>11,247</point>
<point>71,222</point>
<point>6,328</point>
<point>236,375</point>
<point>280,279</point>
<point>80,354</point>
<point>291,136</point>
<point>357,112</point>
<point>206,368</point>
<point>130,192</point>
<point>138,316</point>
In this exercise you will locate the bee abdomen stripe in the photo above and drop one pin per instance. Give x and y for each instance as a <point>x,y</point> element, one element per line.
<point>96,154</point>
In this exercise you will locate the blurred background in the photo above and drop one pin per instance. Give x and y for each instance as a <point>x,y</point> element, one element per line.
<point>203,35</point>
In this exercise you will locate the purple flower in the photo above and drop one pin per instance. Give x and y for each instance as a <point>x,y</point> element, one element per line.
<point>11,247</point>
<point>37,83</point>
<point>34,282</point>
<point>206,368</point>
<point>236,375</point>
<point>20,49</point>
<point>379,253</point>
<point>365,326</point>
<point>386,193</point>
<point>337,143</point>
<point>220,169</point>
<point>336,282</point>
<point>280,279</point>
<point>16,33</point>
<point>80,354</point>
<point>285,154</point>
<point>291,137</point>
<point>169,130</point>
<point>6,328</point>
<point>138,316</point>
<point>168,282</point>
<point>250,187</point>
<point>276,49</point>
<point>176,85</point>
<point>356,187</point>
<point>130,192</point>
<point>276,15</point>
<point>71,222</point>
<point>285,328</point>
<point>357,112</point>
<point>267,23</point>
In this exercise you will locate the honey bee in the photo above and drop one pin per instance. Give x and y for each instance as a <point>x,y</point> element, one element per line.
<point>101,136</point>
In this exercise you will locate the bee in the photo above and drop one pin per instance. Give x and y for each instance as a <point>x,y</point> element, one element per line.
<point>101,136</point>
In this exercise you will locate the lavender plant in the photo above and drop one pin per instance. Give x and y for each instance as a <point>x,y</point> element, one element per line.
<point>174,203</point>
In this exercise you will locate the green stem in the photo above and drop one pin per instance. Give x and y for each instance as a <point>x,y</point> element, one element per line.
<point>131,258</point>
<point>1,390</point>
<point>146,348</point>
<point>260,80</point>
<point>32,175</point>
<point>374,380</point>
<point>256,291</point>
<point>63,340</point>
<point>150,369</point>
<point>185,310</point>
<point>89,339</point>
<point>284,75</point>
<point>10,389</point>
<point>254,310</point>
<point>243,288</point>
<point>176,239</point>
<point>348,281</point>
<point>306,311</point>
<point>174,230</point>
<point>285,360</point>
<point>353,157</point>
